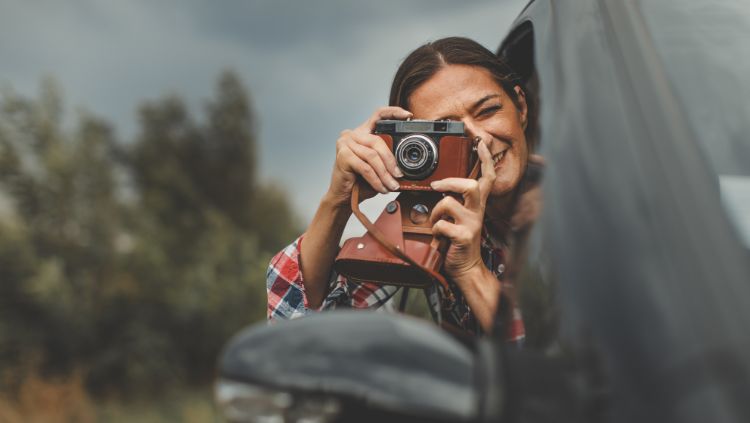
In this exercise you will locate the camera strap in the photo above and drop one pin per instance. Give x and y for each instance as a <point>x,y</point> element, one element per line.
<point>388,246</point>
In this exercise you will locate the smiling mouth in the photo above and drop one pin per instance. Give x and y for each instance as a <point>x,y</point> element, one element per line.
<point>497,157</point>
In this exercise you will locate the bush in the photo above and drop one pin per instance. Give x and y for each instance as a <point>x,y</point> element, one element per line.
<point>131,263</point>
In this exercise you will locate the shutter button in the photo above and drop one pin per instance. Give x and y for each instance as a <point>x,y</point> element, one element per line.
<point>419,214</point>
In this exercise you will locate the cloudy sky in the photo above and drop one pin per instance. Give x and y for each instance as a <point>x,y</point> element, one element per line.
<point>313,67</point>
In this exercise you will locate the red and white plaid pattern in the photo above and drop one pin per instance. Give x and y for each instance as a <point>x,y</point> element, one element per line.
<point>287,299</point>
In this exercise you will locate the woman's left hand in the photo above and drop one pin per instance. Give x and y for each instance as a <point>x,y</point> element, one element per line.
<point>463,262</point>
<point>464,227</point>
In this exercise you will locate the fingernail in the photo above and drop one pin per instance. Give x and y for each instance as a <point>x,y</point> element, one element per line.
<point>398,173</point>
<point>384,191</point>
<point>393,185</point>
<point>434,184</point>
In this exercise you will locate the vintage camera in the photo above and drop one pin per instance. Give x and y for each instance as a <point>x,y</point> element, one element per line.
<point>427,150</point>
<point>399,248</point>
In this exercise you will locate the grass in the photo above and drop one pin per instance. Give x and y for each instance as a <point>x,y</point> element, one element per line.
<point>66,401</point>
<point>189,406</point>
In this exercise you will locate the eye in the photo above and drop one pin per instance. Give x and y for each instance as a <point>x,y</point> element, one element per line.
<point>489,110</point>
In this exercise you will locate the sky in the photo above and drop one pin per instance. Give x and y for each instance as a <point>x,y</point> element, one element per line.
<point>313,68</point>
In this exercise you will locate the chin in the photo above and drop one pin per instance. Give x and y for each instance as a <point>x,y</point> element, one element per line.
<point>504,187</point>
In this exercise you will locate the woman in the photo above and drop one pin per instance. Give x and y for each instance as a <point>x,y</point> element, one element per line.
<point>452,78</point>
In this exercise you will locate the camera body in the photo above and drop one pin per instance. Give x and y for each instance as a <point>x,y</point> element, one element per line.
<point>427,150</point>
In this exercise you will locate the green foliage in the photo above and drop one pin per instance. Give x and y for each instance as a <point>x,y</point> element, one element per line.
<point>132,262</point>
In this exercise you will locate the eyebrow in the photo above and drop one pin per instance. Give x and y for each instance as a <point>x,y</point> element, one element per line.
<point>482,100</point>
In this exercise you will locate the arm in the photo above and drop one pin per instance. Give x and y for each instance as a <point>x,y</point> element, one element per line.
<point>358,153</point>
<point>481,289</point>
<point>321,246</point>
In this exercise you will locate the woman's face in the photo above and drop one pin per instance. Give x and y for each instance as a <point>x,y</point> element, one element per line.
<point>471,95</point>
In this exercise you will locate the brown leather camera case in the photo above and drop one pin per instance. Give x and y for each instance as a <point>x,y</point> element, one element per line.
<point>365,259</point>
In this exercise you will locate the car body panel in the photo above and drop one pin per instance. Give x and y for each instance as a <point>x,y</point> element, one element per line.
<point>649,268</point>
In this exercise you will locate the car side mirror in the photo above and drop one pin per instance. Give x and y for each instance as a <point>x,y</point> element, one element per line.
<point>351,366</point>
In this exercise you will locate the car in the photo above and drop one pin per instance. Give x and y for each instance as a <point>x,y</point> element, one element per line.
<point>635,281</point>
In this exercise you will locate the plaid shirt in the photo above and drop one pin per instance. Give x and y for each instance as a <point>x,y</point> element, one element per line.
<point>287,299</point>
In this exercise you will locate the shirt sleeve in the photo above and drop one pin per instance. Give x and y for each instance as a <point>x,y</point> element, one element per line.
<point>286,291</point>
<point>284,285</point>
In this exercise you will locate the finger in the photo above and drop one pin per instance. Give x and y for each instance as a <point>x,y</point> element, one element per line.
<point>373,159</point>
<point>386,155</point>
<point>468,188</point>
<point>449,207</point>
<point>388,112</point>
<point>449,230</point>
<point>488,172</point>
<point>353,163</point>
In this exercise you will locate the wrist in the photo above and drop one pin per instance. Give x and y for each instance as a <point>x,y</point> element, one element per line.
<point>472,276</point>
<point>333,199</point>
<point>335,205</point>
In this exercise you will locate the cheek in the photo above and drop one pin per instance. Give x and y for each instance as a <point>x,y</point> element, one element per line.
<point>510,173</point>
<point>508,176</point>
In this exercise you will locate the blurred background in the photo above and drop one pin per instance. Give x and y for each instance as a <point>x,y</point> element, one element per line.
<point>153,157</point>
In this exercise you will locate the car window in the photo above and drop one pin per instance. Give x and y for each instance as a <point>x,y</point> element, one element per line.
<point>704,50</point>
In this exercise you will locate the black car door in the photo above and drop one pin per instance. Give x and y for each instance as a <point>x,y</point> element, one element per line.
<point>636,261</point>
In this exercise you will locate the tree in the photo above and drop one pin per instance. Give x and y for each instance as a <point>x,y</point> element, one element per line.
<point>133,262</point>
<point>57,242</point>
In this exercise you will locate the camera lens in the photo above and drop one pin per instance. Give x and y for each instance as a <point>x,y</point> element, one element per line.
<point>416,156</point>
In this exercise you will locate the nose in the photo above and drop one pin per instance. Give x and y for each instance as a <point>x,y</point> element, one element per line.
<point>474,130</point>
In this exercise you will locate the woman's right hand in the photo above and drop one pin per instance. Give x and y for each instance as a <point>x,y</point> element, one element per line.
<point>359,152</point>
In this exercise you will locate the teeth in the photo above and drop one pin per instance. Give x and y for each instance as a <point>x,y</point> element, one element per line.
<point>497,157</point>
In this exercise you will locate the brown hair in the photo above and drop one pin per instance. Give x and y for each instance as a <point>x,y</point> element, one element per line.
<point>427,60</point>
